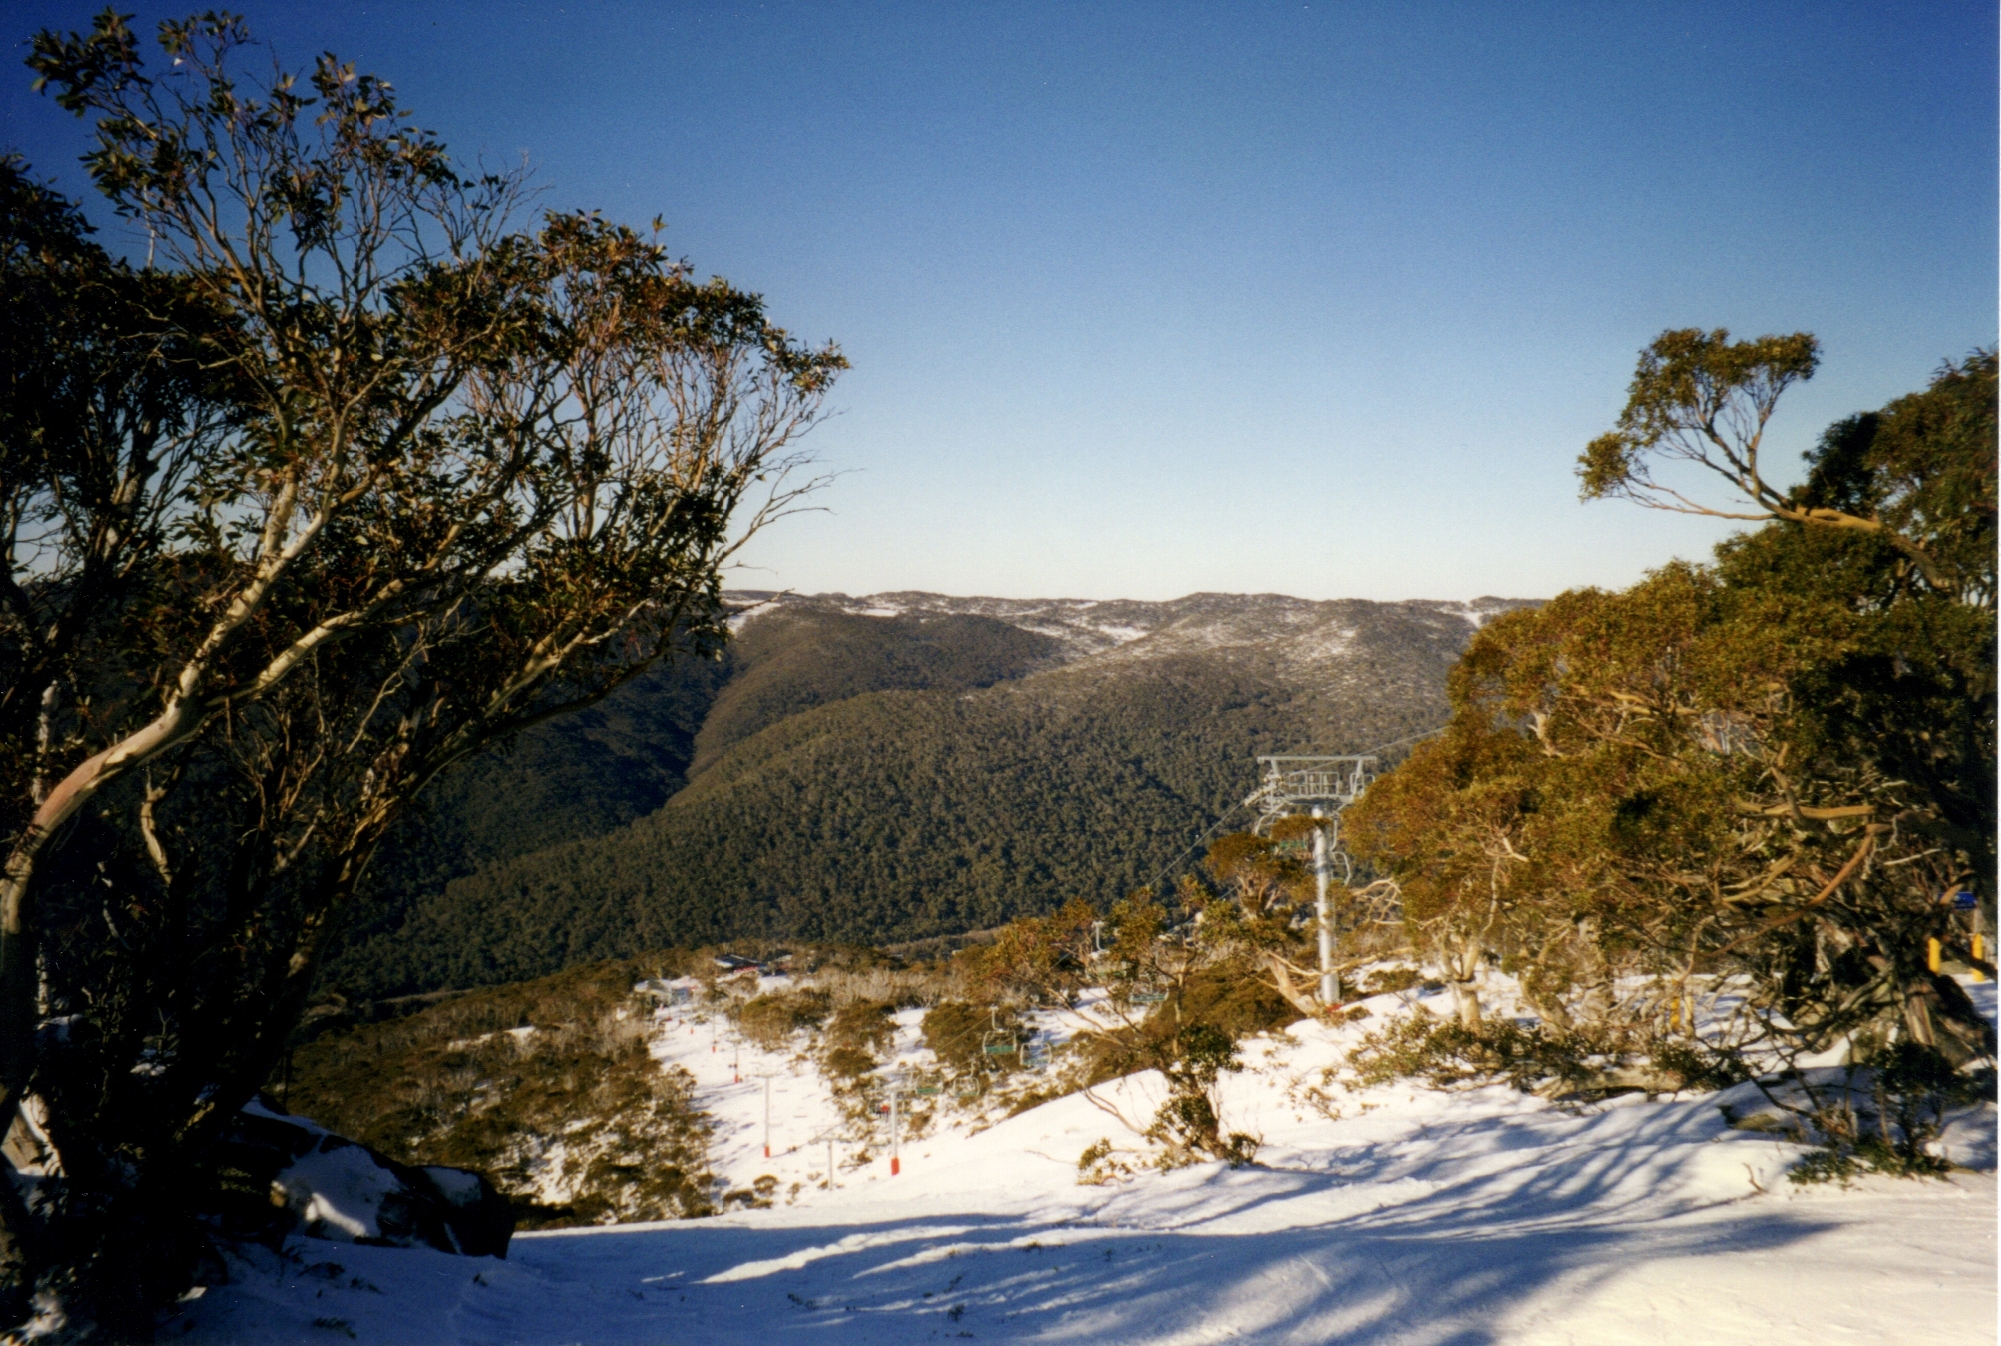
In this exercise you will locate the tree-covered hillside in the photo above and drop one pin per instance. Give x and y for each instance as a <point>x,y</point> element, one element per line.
<point>581,775</point>
<point>601,768</point>
<point>802,657</point>
<point>863,785</point>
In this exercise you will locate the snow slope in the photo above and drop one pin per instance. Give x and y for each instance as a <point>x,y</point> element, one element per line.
<point>1389,1216</point>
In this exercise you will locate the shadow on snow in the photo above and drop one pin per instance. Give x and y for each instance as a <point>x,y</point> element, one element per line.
<point>1219,1253</point>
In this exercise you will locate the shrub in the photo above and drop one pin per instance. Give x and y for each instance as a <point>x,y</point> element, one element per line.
<point>1100,1166</point>
<point>846,1065</point>
<point>1389,980</point>
<point>1914,1087</point>
<point>546,1086</point>
<point>957,1031</point>
<point>863,1026</point>
<point>771,1020</point>
<point>1575,1064</point>
<point>1188,1126</point>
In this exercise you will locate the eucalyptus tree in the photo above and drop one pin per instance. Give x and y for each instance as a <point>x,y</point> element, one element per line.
<point>1701,399</point>
<point>447,477</point>
<point>1774,766</point>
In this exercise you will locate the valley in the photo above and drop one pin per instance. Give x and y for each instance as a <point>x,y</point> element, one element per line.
<point>885,768</point>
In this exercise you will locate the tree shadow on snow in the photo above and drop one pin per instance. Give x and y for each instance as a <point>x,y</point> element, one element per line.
<point>1267,1255</point>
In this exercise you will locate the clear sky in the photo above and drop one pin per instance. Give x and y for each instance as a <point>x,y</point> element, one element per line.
<point>1319,299</point>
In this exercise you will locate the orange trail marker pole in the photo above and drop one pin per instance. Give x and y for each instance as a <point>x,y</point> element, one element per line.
<point>895,1155</point>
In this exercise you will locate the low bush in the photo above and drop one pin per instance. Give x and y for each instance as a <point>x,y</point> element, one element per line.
<point>1390,980</point>
<point>1188,1127</point>
<point>1100,1165</point>
<point>1912,1087</point>
<point>771,1020</point>
<point>1446,1054</point>
<point>547,1087</point>
<point>862,1026</point>
<point>958,1032</point>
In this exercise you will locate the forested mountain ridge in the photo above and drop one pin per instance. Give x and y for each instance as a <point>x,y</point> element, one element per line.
<point>801,656</point>
<point>890,767</point>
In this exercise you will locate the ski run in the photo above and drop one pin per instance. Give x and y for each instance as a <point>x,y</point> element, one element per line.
<point>1398,1215</point>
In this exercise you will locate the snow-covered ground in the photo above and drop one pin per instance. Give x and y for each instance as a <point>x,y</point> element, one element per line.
<point>1395,1215</point>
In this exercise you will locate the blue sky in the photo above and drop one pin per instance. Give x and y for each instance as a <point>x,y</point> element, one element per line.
<point>1324,299</point>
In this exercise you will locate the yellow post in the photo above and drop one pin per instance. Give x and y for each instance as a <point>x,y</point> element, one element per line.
<point>1931,954</point>
<point>1979,953</point>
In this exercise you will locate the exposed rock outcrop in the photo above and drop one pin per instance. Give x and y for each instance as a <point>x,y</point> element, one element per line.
<point>280,1174</point>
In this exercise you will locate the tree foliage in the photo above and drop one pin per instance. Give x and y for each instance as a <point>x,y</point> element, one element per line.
<point>1699,398</point>
<point>447,478</point>
<point>1774,765</point>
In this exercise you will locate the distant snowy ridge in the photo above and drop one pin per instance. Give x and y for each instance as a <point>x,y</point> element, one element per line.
<point>1088,626</point>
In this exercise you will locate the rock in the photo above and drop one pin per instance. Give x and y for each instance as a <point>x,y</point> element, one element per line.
<point>482,1220</point>
<point>280,1174</point>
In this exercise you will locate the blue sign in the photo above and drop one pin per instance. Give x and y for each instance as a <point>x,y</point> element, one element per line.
<point>1964,900</point>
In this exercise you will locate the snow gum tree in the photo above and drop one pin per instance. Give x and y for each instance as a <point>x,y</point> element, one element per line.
<point>1702,399</point>
<point>1267,886</point>
<point>353,480</point>
<point>1772,766</point>
<point>1177,1001</point>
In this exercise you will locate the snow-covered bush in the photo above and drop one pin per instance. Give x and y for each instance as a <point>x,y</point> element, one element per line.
<point>1883,1118</point>
<point>278,1174</point>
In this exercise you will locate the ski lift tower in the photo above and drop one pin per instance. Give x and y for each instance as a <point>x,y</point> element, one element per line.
<point>1321,787</point>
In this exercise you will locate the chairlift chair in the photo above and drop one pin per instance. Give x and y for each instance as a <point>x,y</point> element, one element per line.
<point>996,1042</point>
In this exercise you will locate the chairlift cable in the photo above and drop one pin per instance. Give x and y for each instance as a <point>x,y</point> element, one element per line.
<point>1399,742</point>
<point>1195,845</point>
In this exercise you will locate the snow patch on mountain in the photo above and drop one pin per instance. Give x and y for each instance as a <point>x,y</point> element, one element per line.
<point>1089,627</point>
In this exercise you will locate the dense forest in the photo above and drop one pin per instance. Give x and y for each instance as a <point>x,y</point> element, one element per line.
<point>880,778</point>
<point>603,767</point>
